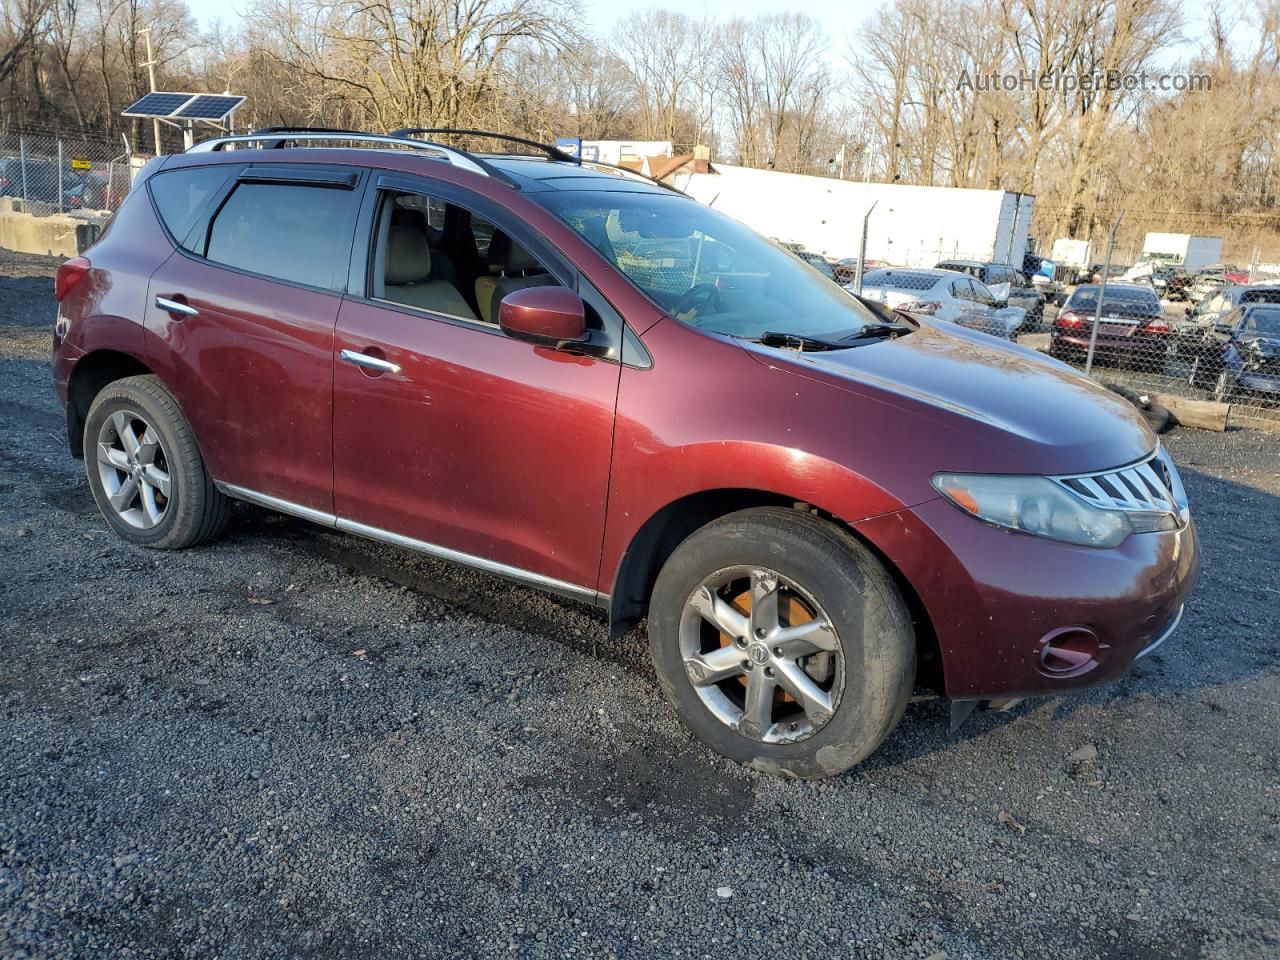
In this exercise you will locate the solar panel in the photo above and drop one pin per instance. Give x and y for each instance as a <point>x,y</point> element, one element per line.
<point>209,107</point>
<point>156,105</point>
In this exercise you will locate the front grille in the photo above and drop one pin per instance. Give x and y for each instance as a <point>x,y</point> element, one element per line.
<point>1151,485</point>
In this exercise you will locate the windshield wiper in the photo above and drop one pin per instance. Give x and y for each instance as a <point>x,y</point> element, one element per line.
<point>798,341</point>
<point>880,330</point>
<point>802,342</point>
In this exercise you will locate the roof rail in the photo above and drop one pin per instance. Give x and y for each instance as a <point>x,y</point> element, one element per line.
<point>553,153</point>
<point>272,135</point>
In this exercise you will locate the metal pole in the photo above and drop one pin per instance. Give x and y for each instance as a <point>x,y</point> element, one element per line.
<point>151,76</point>
<point>60,208</point>
<point>862,252</point>
<point>22,160</point>
<point>1013,228</point>
<point>1102,291</point>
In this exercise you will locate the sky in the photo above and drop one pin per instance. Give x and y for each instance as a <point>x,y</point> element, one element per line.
<point>840,17</point>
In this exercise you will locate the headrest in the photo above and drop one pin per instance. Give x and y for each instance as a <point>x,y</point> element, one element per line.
<point>408,255</point>
<point>508,256</point>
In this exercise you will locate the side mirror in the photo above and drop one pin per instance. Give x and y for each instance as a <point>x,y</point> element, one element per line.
<point>548,316</point>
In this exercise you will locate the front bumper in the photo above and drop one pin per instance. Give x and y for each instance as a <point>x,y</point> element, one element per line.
<point>997,600</point>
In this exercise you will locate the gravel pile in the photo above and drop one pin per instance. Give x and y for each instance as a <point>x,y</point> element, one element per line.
<point>295,744</point>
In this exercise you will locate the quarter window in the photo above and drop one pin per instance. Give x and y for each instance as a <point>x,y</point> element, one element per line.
<point>181,196</point>
<point>293,232</point>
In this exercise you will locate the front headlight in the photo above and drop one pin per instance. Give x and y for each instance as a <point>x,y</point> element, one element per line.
<point>1040,507</point>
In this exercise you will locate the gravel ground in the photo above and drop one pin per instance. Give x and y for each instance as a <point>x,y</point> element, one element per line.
<point>294,744</point>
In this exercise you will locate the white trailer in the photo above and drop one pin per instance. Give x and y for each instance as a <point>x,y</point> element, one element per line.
<point>1184,249</point>
<point>1072,253</point>
<point>911,226</point>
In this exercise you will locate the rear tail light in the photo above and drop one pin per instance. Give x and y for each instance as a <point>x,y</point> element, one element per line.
<point>68,276</point>
<point>1157,326</point>
<point>921,306</point>
<point>1070,319</point>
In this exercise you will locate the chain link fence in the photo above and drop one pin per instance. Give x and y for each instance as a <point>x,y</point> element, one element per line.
<point>47,174</point>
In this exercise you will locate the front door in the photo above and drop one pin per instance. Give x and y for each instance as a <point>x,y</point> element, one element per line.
<point>450,434</point>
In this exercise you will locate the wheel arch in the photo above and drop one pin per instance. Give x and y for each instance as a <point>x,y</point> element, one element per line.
<point>656,539</point>
<point>90,374</point>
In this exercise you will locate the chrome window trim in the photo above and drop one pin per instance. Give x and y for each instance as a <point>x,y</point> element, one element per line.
<point>527,577</point>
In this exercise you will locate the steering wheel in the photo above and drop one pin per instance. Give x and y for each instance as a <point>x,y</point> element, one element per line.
<point>696,298</point>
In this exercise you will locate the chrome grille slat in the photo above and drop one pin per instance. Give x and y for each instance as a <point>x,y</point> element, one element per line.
<point>1147,486</point>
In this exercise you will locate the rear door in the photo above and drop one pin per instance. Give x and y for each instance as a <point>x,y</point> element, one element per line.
<point>240,323</point>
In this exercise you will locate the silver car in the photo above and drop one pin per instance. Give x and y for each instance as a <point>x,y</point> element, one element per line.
<point>945,294</point>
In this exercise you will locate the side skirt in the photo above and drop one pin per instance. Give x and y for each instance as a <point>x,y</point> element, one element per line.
<point>526,577</point>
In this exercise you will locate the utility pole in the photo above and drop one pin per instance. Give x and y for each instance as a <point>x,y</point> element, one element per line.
<point>151,75</point>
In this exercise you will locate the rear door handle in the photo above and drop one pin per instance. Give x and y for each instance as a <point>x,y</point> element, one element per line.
<point>368,362</point>
<point>176,306</point>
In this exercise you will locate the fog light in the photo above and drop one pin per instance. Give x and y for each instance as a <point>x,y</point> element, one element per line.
<point>1068,652</point>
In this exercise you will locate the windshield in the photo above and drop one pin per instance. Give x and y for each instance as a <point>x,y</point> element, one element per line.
<point>900,280</point>
<point>1264,320</point>
<point>706,269</point>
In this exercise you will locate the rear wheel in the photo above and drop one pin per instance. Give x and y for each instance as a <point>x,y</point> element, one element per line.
<point>782,642</point>
<point>145,470</point>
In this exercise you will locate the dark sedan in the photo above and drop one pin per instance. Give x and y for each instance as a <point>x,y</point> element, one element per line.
<point>1131,328</point>
<point>1246,347</point>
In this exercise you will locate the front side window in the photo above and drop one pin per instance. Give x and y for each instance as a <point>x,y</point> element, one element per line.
<point>292,232</point>
<point>443,258</point>
<point>1263,320</point>
<point>706,269</point>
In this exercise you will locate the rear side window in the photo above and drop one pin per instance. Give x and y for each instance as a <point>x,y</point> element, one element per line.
<point>180,196</point>
<point>294,232</point>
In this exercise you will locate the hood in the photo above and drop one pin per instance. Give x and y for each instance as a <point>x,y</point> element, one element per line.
<point>1039,415</point>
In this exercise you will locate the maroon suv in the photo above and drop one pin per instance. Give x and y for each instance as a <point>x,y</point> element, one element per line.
<point>583,381</point>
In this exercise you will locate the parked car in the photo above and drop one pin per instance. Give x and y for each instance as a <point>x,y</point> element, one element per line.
<point>1210,310</point>
<point>1005,282</point>
<point>1131,329</point>
<point>815,260</point>
<point>940,293</point>
<point>511,363</point>
<point>1114,271</point>
<point>1210,278</point>
<point>1245,346</point>
<point>80,190</point>
<point>847,269</point>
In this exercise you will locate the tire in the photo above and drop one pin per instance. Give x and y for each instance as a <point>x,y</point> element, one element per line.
<point>870,669</point>
<point>173,503</point>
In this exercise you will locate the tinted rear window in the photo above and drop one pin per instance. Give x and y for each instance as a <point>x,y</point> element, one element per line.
<point>180,196</point>
<point>1121,300</point>
<point>292,232</point>
<point>1265,295</point>
<point>899,279</point>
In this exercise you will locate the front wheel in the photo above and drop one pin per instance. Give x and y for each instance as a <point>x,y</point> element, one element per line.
<point>782,642</point>
<point>145,470</point>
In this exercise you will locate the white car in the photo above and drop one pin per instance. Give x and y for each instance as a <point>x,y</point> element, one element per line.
<point>944,294</point>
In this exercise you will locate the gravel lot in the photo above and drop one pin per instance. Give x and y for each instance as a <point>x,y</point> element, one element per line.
<point>294,744</point>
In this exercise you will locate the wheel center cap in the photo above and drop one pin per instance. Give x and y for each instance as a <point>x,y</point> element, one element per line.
<point>758,653</point>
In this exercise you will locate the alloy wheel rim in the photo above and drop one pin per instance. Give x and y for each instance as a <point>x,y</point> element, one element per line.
<point>761,654</point>
<point>134,469</point>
